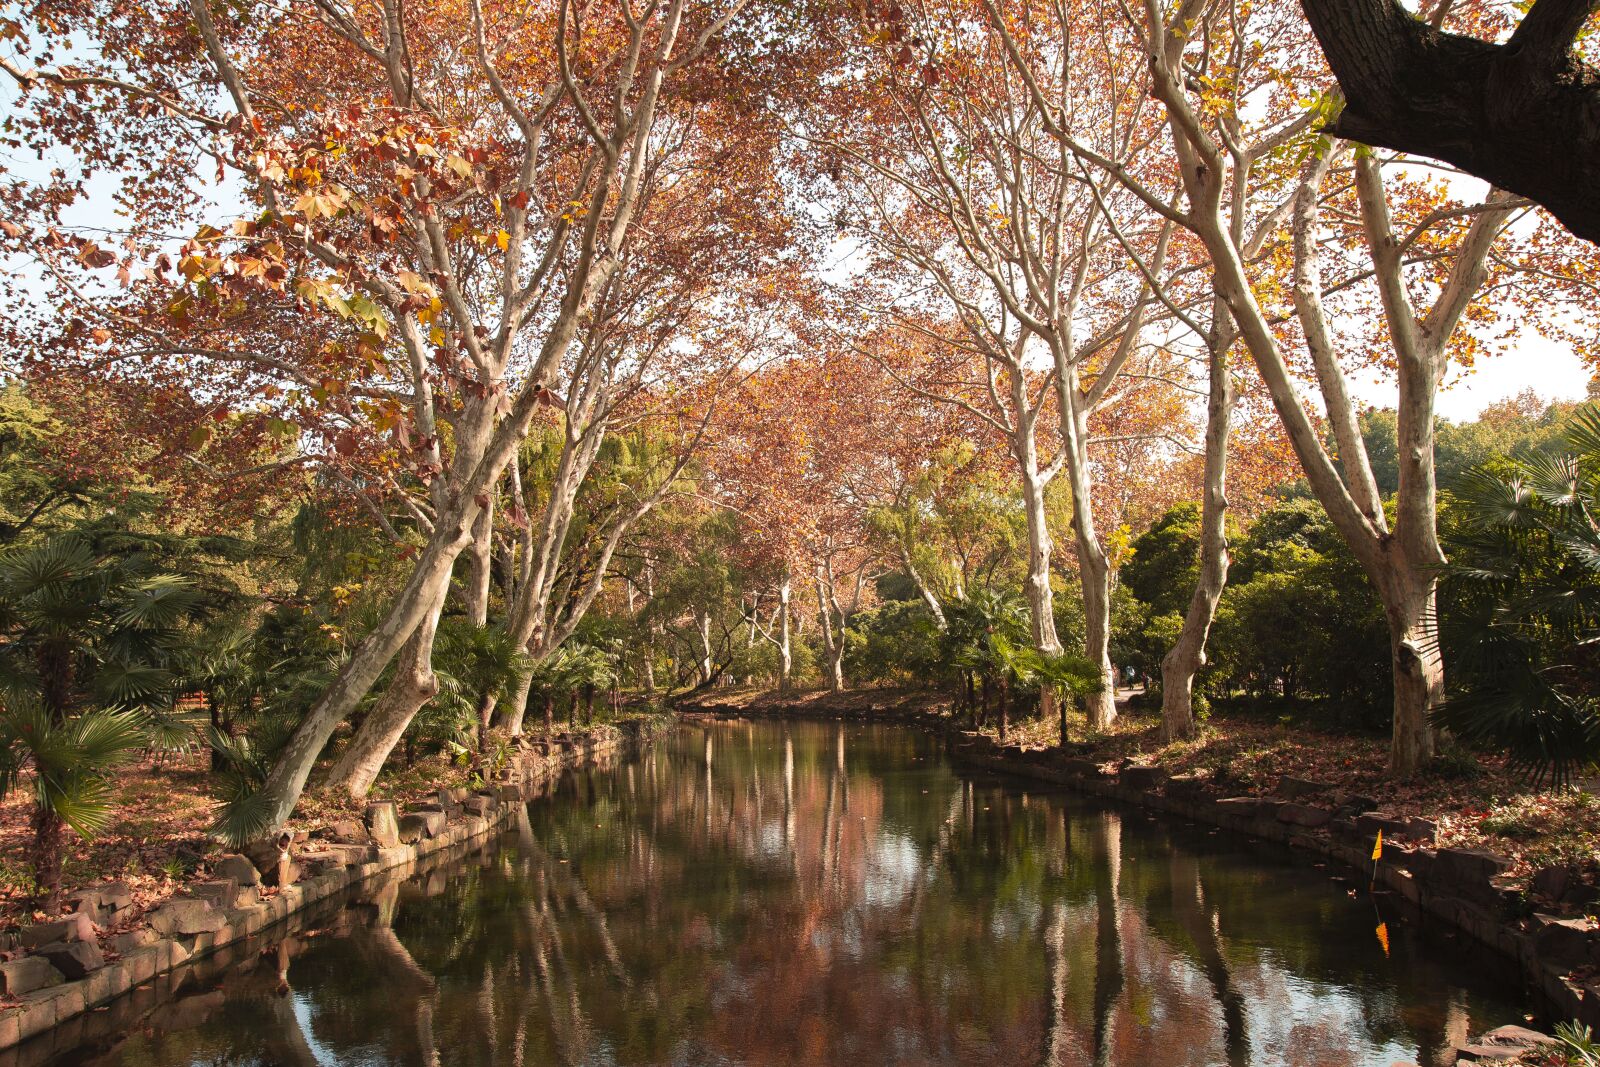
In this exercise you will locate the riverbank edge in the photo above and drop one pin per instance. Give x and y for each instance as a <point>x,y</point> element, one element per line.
<point>463,831</point>
<point>1451,886</point>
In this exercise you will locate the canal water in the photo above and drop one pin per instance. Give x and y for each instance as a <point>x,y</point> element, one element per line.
<point>818,894</point>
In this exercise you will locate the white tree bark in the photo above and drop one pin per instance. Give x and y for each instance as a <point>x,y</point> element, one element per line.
<point>1187,655</point>
<point>1402,563</point>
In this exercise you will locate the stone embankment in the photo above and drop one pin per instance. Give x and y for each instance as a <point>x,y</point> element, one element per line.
<point>60,970</point>
<point>1462,888</point>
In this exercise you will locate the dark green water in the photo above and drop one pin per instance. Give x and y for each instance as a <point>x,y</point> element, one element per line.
<point>819,894</point>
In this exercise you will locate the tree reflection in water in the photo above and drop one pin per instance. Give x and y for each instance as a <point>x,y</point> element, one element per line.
<point>825,894</point>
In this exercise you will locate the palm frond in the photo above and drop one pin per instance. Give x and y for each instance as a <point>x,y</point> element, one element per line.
<point>167,732</point>
<point>243,818</point>
<point>160,601</point>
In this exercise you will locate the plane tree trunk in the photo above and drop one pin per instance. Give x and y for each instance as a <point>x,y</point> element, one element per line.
<point>1188,654</point>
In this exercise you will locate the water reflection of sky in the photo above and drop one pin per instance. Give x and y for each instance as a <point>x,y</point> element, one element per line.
<point>894,866</point>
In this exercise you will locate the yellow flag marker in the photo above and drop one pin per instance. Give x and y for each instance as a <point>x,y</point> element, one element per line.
<point>1377,854</point>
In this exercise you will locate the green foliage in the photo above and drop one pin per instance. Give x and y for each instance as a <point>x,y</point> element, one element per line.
<point>956,522</point>
<point>1521,425</point>
<point>1302,621</point>
<point>1298,621</point>
<point>32,494</point>
<point>896,642</point>
<point>245,814</point>
<point>1576,1044</point>
<point>1131,623</point>
<point>474,665</point>
<point>1144,648</point>
<point>988,638</point>
<point>1166,560</point>
<point>981,628</point>
<point>1521,612</point>
<point>573,667</point>
<point>1072,677</point>
<point>81,623</point>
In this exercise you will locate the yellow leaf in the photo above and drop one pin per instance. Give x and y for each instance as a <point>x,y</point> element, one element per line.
<point>436,335</point>
<point>503,239</point>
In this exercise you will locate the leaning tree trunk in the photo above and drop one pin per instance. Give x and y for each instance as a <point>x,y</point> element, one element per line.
<point>929,597</point>
<point>1188,654</point>
<point>427,586</point>
<point>413,686</point>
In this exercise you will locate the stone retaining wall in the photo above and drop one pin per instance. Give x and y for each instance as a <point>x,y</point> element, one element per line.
<point>1455,886</point>
<point>66,975</point>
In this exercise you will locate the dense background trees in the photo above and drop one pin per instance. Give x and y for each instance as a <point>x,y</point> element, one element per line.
<point>466,372</point>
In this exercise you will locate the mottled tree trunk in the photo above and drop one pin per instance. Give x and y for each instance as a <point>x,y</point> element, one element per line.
<point>515,707</point>
<point>414,684</point>
<point>1410,609</point>
<point>785,635</point>
<point>1188,655</point>
<point>480,556</point>
<point>1094,572</point>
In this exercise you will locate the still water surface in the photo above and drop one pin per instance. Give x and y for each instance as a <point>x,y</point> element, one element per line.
<point>821,894</point>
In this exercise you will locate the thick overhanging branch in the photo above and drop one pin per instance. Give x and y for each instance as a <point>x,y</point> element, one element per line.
<point>1523,115</point>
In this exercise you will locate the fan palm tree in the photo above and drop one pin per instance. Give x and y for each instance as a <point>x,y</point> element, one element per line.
<point>217,666</point>
<point>72,759</point>
<point>80,625</point>
<point>593,669</point>
<point>474,665</point>
<point>552,676</point>
<point>968,644</point>
<point>578,670</point>
<point>1070,677</point>
<point>1521,615</point>
<point>87,640</point>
